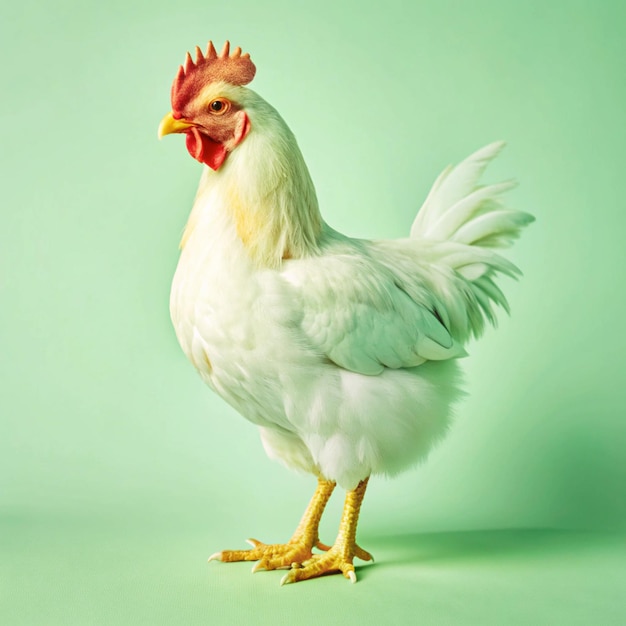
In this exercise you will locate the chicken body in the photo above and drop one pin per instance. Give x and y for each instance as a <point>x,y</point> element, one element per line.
<point>261,339</point>
<point>342,351</point>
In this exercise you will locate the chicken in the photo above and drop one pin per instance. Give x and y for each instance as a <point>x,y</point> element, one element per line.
<point>343,352</point>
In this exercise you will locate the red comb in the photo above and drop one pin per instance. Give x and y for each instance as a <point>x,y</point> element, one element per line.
<point>235,69</point>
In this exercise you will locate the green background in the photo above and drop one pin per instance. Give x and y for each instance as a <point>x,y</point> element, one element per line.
<point>120,472</point>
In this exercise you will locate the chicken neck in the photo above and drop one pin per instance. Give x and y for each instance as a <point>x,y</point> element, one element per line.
<point>267,188</point>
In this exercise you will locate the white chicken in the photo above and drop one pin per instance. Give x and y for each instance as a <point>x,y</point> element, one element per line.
<point>342,351</point>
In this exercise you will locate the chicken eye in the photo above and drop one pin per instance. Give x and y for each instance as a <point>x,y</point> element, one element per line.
<point>219,106</point>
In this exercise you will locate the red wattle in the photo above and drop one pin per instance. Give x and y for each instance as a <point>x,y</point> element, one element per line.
<point>242,128</point>
<point>204,149</point>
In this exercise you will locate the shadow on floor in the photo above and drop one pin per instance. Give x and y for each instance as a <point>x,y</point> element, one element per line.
<point>473,547</point>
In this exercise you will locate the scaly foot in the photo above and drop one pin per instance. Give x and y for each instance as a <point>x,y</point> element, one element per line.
<point>336,560</point>
<point>339,558</point>
<point>298,549</point>
<point>271,556</point>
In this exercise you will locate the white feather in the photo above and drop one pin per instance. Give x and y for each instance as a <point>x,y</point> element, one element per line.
<point>342,351</point>
<point>454,184</point>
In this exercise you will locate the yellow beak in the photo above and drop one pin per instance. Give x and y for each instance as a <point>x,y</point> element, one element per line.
<point>171,125</point>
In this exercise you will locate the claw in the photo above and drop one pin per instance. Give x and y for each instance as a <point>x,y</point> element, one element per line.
<point>352,576</point>
<point>217,556</point>
<point>362,554</point>
<point>255,543</point>
<point>286,579</point>
<point>258,567</point>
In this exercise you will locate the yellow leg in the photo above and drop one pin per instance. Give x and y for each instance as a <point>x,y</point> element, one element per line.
<point>297,549</point>
<point>340,556</point>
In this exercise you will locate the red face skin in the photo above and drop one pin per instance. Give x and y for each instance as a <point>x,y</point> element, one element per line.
<point>216,130</point>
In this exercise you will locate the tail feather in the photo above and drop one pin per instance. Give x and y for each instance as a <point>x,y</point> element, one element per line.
<point>454,184</point>
<point>492,291</point>
<point>477,202</point>
<point>463,259</point>
<point>463,223</point>
<point>496,229</point>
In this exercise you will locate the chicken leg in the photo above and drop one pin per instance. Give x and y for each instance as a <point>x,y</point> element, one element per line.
<point>297,549</point>
<point>340,556</point>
